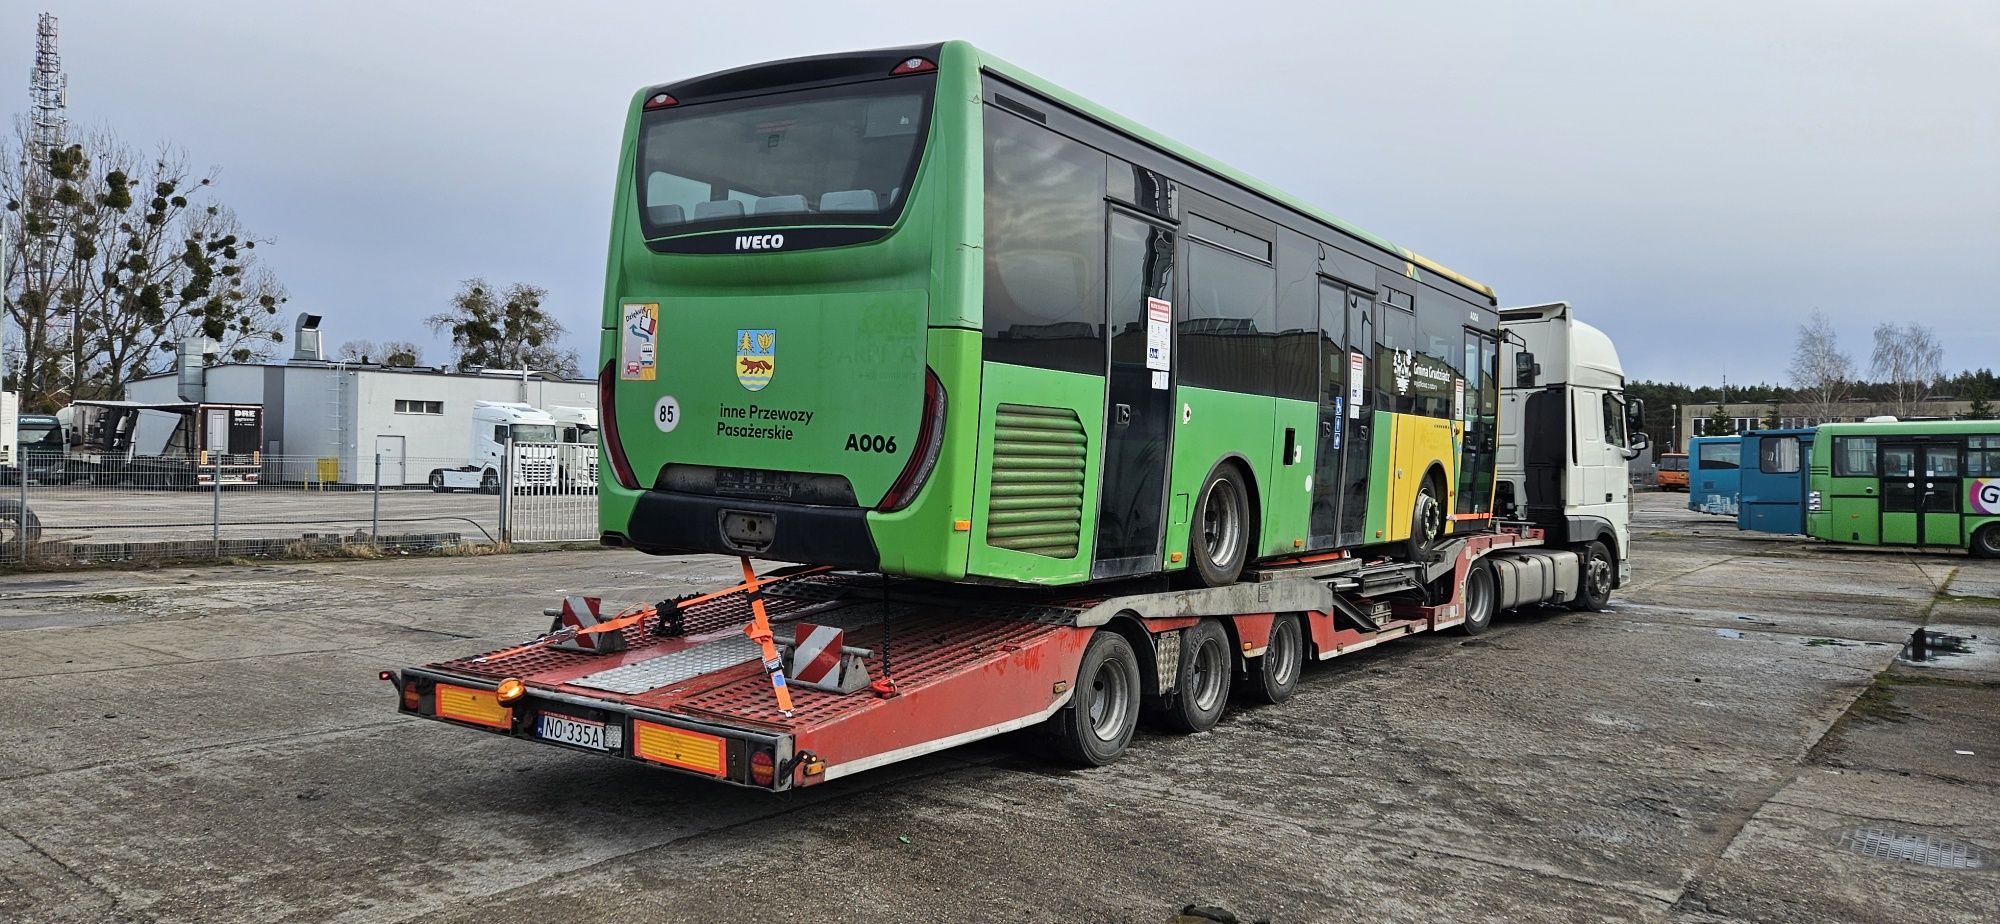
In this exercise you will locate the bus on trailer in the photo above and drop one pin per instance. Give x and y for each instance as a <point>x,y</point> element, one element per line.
<point>919,311</point>
<point>1933,483</point>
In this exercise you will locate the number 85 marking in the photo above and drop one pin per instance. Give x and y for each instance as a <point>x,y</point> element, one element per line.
<point>667,414</point>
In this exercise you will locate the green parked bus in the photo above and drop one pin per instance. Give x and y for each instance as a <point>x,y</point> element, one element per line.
<point>918,311</point>
<point>1920,483</point>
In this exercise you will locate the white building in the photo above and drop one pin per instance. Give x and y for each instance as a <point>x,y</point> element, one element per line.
<point>334,417</point>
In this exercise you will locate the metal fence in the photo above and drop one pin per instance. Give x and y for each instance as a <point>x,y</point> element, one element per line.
<point>86,512</point>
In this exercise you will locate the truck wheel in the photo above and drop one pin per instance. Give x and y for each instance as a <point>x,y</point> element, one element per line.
<point>1275,675</point>
<point>1220,539</point>
<point>1986,542</point>
<point>1480,597</point>
<point>1096,725</point>
<point>1203,687</point>
<point>437,483</point>
<point>489,483</point>
<point>1593,580</point>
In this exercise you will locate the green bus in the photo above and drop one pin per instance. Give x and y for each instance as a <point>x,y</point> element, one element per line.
<point>1919,482</point>
<point>918,311</point>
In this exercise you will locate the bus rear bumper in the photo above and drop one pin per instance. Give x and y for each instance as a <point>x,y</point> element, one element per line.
<point>668,521</point>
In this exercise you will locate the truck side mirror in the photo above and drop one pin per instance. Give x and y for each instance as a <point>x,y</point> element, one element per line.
<point>1526,370</point>
<point>1635,412</point>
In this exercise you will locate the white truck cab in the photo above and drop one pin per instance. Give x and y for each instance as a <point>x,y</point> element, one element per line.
<point>496,424</point>
<point>576,459</point>
<point>1567,435</point>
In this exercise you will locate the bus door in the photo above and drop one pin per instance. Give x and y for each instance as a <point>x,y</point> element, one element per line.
<point>1132,496</point>
<point>1920,486</point>
<point>1356,421</point>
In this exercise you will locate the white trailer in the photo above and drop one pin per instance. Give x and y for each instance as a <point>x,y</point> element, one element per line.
<point>498,426</point>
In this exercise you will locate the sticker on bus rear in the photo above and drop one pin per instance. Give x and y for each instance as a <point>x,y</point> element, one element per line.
<point>639,338</point>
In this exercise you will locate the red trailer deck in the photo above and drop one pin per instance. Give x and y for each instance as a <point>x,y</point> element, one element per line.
<point>683,687</point>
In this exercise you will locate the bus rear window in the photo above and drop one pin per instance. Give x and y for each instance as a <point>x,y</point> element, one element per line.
<point>842,155</point>
<point>1718,455</point>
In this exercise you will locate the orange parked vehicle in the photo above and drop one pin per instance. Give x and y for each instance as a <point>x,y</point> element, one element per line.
<point>1673,471</point>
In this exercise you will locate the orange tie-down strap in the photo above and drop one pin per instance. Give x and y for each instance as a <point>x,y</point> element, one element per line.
<point>639,614</point>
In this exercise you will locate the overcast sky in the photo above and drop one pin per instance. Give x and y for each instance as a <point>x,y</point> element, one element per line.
<point>1694,176</point>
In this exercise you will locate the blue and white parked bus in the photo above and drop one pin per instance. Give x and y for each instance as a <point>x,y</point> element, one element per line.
<point>1714,463</point>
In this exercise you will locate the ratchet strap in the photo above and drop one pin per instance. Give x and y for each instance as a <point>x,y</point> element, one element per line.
<point>635,615</point>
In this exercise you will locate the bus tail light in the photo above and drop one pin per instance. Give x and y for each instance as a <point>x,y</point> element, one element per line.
<point>613,447</point>
<point>913,66</point>
<point>661,101</point>
<point>930,438</point>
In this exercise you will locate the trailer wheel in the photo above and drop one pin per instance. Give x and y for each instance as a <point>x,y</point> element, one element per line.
<point>1104,708</point>
<point>1986,542</point>
<point>1276,674</point>
<point>1593,592</point>
<point>1203,686</point>
<point>1480,597</point>
<point>437,483</point>
<point>1219,541</point>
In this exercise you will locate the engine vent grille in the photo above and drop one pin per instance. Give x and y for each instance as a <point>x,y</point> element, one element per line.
<point>1035,503</point>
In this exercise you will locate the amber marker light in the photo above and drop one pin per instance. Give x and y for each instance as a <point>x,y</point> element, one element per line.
<point>510,690</point>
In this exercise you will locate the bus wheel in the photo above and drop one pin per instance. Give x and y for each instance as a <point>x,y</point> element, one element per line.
<point>1221,535</point>
<point>1593,590</point>
<point>1986,542</point>
<point>1275,675</point>
<point>1426,520</point>
<point>1202,687</point>
<point>437,482</point>
<point>1479,599</point>
<point>1096,725</point>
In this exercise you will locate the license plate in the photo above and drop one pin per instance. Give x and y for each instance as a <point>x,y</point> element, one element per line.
<point>579,732</point>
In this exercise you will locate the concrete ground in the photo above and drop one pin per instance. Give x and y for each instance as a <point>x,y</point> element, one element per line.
<point>213,745</point>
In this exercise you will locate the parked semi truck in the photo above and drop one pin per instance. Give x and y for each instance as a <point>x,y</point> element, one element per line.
<point>168,445</point>
<point>497,425</point>
<point>576,458</point>
<point>879,669</point>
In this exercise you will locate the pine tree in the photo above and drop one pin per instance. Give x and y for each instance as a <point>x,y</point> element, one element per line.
<point>1719,423</point>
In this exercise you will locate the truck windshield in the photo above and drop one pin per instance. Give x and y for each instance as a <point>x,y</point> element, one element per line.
<point>842,155</point>
<point>41,436</point>
<point>534,433</point>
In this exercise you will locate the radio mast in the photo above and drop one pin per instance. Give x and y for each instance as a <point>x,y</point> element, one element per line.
<point>48,118</point>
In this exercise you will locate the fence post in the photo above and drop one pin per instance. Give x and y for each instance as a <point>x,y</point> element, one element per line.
<point>21,524</point>
<point>507,491</point>
<point>375,511</point>
<point>215,519</point>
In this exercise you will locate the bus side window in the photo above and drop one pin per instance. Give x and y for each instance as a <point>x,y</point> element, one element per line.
<point>1044,247</point>
<point>1854,456</point>
<point>1982,456</point>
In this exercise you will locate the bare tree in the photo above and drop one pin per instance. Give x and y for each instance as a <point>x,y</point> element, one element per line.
<point>504,329</point>
<point>113,257</point>
<point>1910,360</point>
<point>394,353</point>
<point>1821,373</point>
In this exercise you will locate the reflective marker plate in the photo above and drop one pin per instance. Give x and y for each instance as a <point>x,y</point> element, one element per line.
<point>566,730</point>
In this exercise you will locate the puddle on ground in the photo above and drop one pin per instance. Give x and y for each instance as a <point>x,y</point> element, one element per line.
<point>1926,645</point>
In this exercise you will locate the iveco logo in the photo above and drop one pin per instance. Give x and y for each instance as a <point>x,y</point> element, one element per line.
<point>759,241</point>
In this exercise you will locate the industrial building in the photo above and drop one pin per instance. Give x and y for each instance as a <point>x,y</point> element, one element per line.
<point>326,420</point>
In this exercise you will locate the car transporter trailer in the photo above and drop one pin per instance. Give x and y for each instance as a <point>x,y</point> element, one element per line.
<point>886,669</point>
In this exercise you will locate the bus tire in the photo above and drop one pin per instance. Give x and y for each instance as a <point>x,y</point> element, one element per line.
<point>1272,678</point>
<point>1986,541</point>
<point>1426,520</point>
<point>1219,539</point>
<point>1595,571</point>
<point>1202,688</point>
<point>1480,596</point>
<point>1103,709</point>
